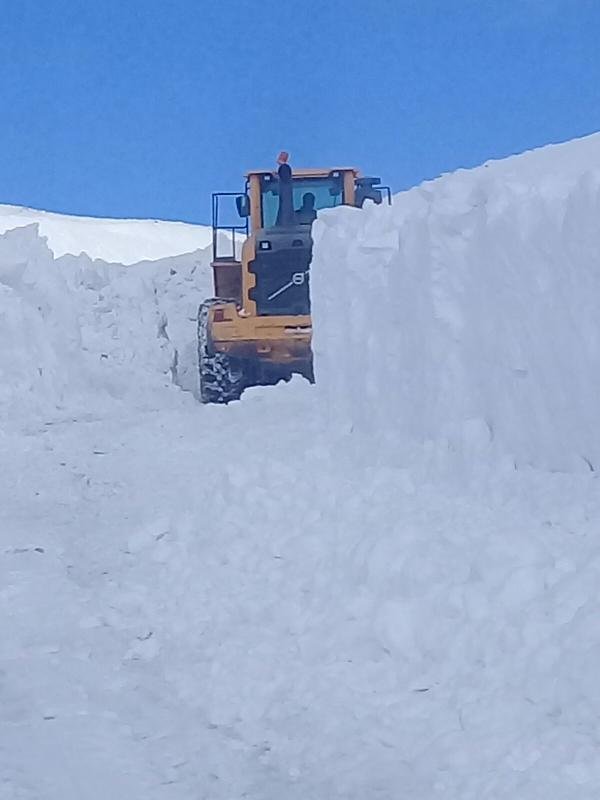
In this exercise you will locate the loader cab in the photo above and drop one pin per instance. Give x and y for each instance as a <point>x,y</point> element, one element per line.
<point>329,188</point>
<point>240,218</point>
<point>312,191</point>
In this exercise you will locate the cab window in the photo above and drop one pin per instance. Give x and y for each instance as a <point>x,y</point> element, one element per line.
<point>309,194</point>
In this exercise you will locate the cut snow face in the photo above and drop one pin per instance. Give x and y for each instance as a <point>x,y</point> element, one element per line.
<point>468,310</point>
<point>79,334</point>
<point>123,241</point>
<point>353,590</point>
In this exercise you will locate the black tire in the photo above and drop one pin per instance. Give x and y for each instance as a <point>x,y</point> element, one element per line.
<point>221,377</point>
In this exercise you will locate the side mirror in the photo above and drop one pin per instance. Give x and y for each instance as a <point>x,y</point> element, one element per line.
<point>370,189</point>
<point>242,203</point>
<point>337,184</point>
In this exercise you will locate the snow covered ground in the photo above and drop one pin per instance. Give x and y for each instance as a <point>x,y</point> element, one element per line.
<point>382,586</point>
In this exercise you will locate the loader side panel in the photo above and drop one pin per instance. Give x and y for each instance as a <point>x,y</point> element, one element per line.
<point>228,280</point>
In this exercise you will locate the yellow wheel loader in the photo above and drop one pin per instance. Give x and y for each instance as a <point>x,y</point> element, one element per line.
<point>256,330</point>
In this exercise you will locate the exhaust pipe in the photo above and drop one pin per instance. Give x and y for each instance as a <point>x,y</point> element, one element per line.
<point>285,213</point>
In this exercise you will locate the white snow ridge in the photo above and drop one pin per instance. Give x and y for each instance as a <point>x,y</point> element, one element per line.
<point>380,586</point>
<point>126,241</point>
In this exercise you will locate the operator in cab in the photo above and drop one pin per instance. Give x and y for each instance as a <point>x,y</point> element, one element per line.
<point>306,214</point>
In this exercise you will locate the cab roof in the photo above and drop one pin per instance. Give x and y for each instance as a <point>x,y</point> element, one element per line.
<point>309,172</point>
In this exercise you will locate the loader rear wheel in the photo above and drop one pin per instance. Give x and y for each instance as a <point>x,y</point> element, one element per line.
<point>221,377</point>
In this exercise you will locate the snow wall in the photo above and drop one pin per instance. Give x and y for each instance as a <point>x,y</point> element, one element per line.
<point>78,334</point>
<point>468,311</point>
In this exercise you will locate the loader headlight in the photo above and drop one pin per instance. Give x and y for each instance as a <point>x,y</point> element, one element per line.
<point>264,245</point>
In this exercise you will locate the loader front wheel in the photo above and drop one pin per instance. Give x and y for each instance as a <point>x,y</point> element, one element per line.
<point>221,377</point>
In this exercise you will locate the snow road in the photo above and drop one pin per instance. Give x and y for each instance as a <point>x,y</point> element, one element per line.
<point>190,619</point>
<point>295,596</point>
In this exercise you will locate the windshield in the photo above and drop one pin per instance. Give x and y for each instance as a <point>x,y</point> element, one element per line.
<point>310,195</point>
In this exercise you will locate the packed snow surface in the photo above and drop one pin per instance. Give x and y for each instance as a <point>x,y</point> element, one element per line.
<point>382,586</point>
<point>124,241</point>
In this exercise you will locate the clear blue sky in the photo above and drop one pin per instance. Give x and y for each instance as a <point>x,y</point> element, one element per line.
<point>142,108</point>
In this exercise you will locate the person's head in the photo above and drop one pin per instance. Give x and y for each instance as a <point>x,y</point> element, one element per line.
<point>308,201</point>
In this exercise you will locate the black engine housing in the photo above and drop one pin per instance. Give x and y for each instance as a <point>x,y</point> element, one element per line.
<point>282,271</point>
